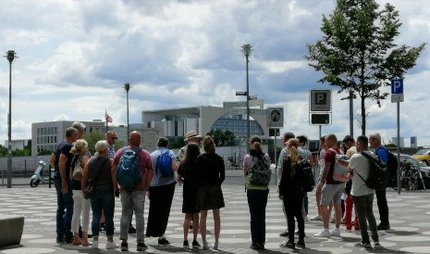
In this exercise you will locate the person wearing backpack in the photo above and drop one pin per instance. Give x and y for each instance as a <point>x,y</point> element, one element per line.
<point>381,195</point>
<point>362,195</point>
<point>161,191</point>
<point>257,191</point>
<point>291,188</point>
<point>331,189</point>
<point>134,171</point>
<point>282,155</point>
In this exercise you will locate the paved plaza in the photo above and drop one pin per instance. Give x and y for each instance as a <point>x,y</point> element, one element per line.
<point>409,216</point>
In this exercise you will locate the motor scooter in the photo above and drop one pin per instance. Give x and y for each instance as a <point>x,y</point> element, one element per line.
<point>40,175</point>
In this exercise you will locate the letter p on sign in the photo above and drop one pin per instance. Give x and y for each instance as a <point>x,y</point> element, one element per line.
<point>397,86</point>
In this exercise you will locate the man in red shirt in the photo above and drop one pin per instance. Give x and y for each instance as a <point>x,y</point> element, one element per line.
<point>332,190</point>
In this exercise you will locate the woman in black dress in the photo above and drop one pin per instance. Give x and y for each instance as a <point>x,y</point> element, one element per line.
<point>211,174</point>
<point>187,174</point>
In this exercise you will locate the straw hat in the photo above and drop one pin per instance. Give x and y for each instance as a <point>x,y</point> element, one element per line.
<point>191,134</point>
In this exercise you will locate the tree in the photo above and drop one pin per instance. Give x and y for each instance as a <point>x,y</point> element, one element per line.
<point>93,137</point>
<point>358,53</point>
<point>221,138</point>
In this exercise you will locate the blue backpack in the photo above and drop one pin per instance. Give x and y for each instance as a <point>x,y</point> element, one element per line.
<point>128,171</point>
<point>164,165</point>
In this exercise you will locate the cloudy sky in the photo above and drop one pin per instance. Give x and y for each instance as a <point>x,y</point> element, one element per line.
<point>75,56</point>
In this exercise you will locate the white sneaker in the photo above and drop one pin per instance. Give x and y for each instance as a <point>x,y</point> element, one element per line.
<point>316,218</point>
<point>205,245</point>
<point>110,245</point>
<point>335,232</point>
<point>95,245</point>
<point>324,233</point>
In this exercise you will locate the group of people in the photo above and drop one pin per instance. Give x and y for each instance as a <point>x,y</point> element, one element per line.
<point>355,192</point>
<point>338,195</point>
<point>201,171</point>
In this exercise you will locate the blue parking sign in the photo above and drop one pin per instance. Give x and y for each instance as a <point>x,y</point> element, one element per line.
<point>397,86</point>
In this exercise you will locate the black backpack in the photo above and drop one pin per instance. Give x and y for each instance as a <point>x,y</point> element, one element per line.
<point>379,177</point>
<point>308,175</point>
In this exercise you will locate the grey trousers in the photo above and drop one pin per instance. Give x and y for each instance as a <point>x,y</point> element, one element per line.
<point>132,201</point>
<point>364,209</point>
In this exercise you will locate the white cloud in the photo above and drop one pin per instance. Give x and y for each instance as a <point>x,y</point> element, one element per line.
<point>75,56</point>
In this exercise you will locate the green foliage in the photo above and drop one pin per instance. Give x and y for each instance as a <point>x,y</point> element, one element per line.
<point>16,153</point>
<point>358,53</point>
<point>223,138</point>
<point>92,138</point>
<point>176,142</point>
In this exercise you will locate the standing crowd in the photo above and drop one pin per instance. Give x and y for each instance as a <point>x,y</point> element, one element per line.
<point>86,183</point>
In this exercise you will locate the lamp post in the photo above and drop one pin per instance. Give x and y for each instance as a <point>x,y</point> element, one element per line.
<point>127,88</point>
<point>10,57</point>
<point>246,50</point>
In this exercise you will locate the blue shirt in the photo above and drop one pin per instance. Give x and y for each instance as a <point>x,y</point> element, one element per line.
<point>382,154</point>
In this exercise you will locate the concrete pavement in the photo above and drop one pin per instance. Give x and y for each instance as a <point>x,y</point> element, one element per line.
<point>409,216</point>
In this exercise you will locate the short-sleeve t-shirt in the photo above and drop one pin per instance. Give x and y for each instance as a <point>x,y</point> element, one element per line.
<point>66,151</point>
<point>145,163</point>
<point>360,166</point>
<point>330,156</point>
<point>158,180</point>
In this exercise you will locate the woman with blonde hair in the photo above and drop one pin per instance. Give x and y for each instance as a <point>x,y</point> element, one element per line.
<point>81,206</point>
<point>98,170</point>
<point>292,192</point>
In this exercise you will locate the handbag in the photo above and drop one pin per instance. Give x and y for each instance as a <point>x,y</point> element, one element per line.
<point>90,188</point>
<point>77,171</point>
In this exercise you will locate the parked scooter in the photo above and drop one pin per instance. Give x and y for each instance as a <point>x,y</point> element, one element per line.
<point>40,175</point>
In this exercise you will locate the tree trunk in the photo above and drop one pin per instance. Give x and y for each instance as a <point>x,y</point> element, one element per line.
<point>363,115</point>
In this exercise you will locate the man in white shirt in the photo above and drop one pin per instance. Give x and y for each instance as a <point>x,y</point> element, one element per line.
<point>362,195</point>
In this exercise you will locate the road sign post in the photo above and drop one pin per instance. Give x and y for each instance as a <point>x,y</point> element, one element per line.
<point>397,97</point>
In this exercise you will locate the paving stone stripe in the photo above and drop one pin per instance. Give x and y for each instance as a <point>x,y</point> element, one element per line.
<point>409,211</point>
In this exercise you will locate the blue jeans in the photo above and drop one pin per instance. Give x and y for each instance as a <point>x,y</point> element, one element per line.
<point>132,201</point>
<point>102,200</point>
<point>64,209</point>
<point>257,201</point>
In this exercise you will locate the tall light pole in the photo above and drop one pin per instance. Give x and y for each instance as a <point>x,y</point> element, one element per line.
<point>127,88</point>
<point>10,55</point>
<point>246,50</point>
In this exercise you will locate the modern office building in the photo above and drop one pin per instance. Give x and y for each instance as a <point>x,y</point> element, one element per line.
<point>46,135</point>
<point>230,117</point>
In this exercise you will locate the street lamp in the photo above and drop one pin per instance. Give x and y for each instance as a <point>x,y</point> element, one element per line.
<point>127,88</point>
<point>10,55</point>
<point>246,50</point>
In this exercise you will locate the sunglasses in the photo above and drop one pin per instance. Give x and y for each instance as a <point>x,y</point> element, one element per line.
<point>114,137</point>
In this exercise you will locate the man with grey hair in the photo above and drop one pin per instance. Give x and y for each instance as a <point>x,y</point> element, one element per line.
<point>381,195</point>
<point>80,127</point>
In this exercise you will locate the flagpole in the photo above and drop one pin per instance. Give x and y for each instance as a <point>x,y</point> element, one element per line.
<point>106,120</point>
